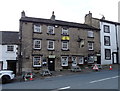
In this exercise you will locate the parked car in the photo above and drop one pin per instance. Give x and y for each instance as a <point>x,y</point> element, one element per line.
<point>75,69</point>
<point>6,76</point>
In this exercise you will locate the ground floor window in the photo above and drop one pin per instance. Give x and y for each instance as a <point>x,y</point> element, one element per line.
<point>64,61</point>
<point>80,60</point>
<point>91,59</point>
<point>107,54</point>
<point>74,61</point>
<point>37,61</point>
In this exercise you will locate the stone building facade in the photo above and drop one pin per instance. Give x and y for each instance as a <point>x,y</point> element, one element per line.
<point>56,44</point>
<point>109,38</point>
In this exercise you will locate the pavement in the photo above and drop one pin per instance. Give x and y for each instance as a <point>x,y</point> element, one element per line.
<point>84,69</point>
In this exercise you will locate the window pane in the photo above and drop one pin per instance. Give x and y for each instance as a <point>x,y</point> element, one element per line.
<point>64,31</point>
<point>37,44</point>
<point>106,29</point>
<point>50,29</point>
<point>80,60</point>
<point>107,54</point>
<point>64,61</point>
<point>37,28</point>
<point>51,45</point>
<point>90,46</point>
<point>107,40</point>
<point>74,61</point>
<point>10,48</point>
<point>90,34</point>
<point>37,61</point>
<point>65,45</point>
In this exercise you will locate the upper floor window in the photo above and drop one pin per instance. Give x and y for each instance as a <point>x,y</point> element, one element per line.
<point>64,45</point>
<point>106,29</point>
<point>10,48</point>
<point>37,44</point>
<point>107,54</point>
<point>65,31</point>
<point>90,34</point>
<point>64,60</point>
<point>90,46</point>
<point>50,45</point>
<point>37,61</point>
<point>37,28</point>
<point>107,40</point>
<point>50,30</point>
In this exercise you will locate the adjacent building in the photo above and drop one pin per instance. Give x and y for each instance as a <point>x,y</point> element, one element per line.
<point>108,37</point>
<point>56,44</point>
<point>8,50</point>
<point>119,30</point>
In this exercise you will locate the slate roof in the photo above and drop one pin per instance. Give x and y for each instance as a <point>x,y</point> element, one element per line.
<point>108,21</point>
<point>9,37</point>
<point>57,22</point>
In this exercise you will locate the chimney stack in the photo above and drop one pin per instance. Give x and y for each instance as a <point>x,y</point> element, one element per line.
<point>23,13</point>
<point>88,18</point>
<point>53,16</point>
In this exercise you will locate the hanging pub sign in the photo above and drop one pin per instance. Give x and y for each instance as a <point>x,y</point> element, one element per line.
<point>65,38</point>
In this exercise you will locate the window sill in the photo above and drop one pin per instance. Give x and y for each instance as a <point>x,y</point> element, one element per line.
<point>65,34</point>
<point>37,32</point>
<point>51,49</point>
<point>90,50</point>
<point>37,49</point>
<point>51,34</point>
<point>65,49</point>
<point>90,37</point>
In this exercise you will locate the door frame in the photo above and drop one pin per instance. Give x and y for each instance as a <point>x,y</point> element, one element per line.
<point>51,64</point>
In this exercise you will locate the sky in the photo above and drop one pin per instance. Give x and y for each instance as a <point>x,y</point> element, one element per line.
<point>66,10</point>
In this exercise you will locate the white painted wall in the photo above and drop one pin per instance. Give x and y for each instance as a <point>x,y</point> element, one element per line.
<point>113,45</point>
<point>5,55</point>
<point>118,27</point>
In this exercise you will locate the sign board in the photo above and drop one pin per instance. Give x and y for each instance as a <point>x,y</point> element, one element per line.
<point>51,56</point>
<point>65,38</point>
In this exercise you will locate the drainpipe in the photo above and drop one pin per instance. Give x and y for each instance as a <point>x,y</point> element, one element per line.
<point>117,42</point>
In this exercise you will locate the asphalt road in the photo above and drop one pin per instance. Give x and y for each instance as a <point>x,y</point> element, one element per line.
<point>105,79</point>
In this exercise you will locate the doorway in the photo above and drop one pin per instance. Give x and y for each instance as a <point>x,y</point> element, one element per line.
<point>98,59</point>
<point>11,65</point>
<point>51,64</point>
<point>114,56</point>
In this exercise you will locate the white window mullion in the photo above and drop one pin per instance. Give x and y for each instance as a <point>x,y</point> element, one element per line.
<point>50,45</point>
<point>37,61</point>
<point>37,44</point>
<point>64,61</point>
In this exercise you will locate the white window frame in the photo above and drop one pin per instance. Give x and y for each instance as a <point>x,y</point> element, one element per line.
<point>64,62</point>
<point>50,28</point>
<point>106,29</point>
<point>90,34</point>
<point>90,46</point>
<point>107,51</point>
<point>107,40</point>
<point>74,61</point>
<point>10,48</point>
<point>80,60</point>
<point>37,28</point>
<point>37,58</point>
<point>38,45</point>
<point>91,59</point>
<point>65,31</point>
<point>63,44</point>
<point>49,44</point>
